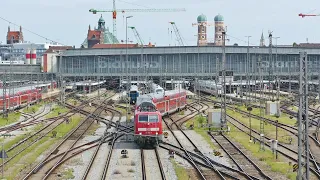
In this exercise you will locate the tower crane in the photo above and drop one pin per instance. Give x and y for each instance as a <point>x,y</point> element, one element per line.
<point>305,15</point>
<point>114,13</point>
<point>176,31</point>
<point>137,35</point>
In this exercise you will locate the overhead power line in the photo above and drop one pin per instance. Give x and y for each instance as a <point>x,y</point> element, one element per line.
<point>32,32</point>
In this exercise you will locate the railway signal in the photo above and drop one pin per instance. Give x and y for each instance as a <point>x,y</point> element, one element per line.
<point>166,134</point>
<point>124,153</point>
<point>295,167</point>
<point>217,153</point>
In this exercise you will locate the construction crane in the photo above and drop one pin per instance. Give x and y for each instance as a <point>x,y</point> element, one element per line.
<point>114,13</point>
<point>176,31</point>
<point>137,35</point>
<point>305,15</point>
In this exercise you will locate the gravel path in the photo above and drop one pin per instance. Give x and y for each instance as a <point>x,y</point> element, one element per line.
<point>151,164</point>
<point>125,168</point>
<point>167,165</point>
<point>205,148</point>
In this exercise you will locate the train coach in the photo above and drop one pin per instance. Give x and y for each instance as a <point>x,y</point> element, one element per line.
<point>20,99</point>
<point>148,115</point>
<point>133,94</point>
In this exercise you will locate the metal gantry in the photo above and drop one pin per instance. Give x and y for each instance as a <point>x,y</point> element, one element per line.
<point>303,120</point>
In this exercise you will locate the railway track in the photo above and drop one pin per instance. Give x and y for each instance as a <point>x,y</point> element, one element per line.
<point>282,149</point>
<point>150,169</point>
<point>43,169</point>
<point>241,161</point>
<point>195,161</point>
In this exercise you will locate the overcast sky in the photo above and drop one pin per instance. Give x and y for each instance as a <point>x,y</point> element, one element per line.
<point>67,21</point>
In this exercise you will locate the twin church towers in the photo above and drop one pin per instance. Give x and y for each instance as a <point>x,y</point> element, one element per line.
<point>202,30</point>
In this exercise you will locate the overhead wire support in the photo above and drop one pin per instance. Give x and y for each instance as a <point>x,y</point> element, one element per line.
<point>303,120</point>
<point>247,72</point>
<point>223,97</point>
<point>177,32</point>
<point>261,104</point>
<point>270,64</point>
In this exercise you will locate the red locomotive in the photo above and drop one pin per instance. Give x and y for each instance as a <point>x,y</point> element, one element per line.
<point>148,115</point>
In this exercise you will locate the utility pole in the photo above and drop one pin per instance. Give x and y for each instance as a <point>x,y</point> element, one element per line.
<point>261,104</point>
<point>223,97</point>
<point>270,62</point>
<point>303,120</point>
<point>4,90</point>
<point>62,84</point>
<point>247,71</point>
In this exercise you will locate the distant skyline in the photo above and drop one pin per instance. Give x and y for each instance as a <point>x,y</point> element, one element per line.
<point>67,21</point>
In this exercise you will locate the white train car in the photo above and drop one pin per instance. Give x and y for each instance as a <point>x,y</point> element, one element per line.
<point>208,87</point>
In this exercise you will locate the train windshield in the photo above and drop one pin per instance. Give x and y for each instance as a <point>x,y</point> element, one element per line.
<point>143,118</point>
<point>148,118</point>
<point>153,118</point>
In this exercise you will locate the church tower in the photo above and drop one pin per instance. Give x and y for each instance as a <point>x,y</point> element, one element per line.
<point>262,40</point>
<point>202,30</point>
<point>219,28</point>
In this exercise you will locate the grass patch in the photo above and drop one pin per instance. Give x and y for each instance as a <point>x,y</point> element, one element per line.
<point>269,129</point>
<point>196,121</point>
<point>64,128</point>
<point>284,118</point>
<point>266,156</point>
<point>12,117</point>
<point>33,109</point>
<point>31,154</point>
<point>131,170</point>
<point>122,110</point>
<point>93,128</point>
<point>56,110</point>
<point>68,174</point>
<point>181,172</point>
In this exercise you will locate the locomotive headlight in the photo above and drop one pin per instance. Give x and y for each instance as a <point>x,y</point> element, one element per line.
<point>156,133</point>
<point>140,133</point>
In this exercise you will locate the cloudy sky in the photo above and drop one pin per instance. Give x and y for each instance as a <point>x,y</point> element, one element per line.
<point>67,21</point>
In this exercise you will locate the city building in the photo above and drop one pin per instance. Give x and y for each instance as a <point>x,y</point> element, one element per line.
<point>202,30</point>
<point>100,35</point>
<point>14,36</point>
<point>219,28</point>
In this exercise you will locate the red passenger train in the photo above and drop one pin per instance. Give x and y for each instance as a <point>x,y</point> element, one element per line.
<point>20,99</point>
<point>148,115</point>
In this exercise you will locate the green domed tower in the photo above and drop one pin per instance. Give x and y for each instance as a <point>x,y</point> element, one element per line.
<point>219,28</point>
<point>202,30</point>
<point>202,18</point>
<point>218,18</point>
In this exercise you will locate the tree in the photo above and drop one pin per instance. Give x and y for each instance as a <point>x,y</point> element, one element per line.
<point>294,44</point>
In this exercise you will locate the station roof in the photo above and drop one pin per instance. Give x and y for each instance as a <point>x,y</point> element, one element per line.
<point>187,50</point>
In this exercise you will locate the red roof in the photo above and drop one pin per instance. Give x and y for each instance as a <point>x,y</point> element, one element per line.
<point>92,33</point>
<point>57,48</point>
<point>15,34</point>
<point>101,46</point>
